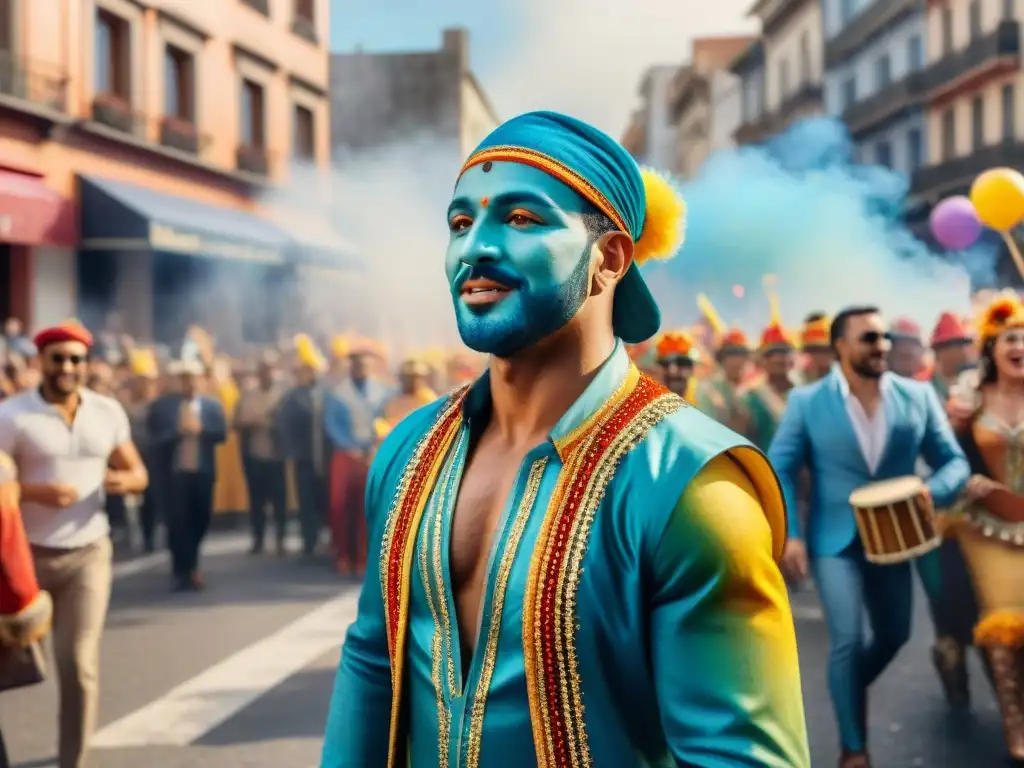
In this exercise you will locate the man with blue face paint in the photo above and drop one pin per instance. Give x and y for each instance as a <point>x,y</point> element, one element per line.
<point>576,568</point>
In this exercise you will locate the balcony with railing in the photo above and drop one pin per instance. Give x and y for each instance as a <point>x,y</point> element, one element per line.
<point>905,94</point>
<point>985,57</point>
<point>806,99</point>
<point>28,86</point>
<point>872,22</point>
<point>935,181</point>
<point>755,129</point>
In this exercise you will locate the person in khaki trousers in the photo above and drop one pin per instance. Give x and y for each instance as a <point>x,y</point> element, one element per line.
<point>72,448</point>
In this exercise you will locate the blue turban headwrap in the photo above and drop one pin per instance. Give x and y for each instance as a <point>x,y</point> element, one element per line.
<point>601,171</point>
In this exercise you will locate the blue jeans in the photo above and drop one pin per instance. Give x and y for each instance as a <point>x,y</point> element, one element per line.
<point>850,586</point>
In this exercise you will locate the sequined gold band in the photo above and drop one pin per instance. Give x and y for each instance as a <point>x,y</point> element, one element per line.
<point>554,168</point>
<point>549,607</point>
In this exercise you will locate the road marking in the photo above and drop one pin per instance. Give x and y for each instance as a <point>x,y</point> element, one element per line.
<point>221,545</point>
<point>193,709</point>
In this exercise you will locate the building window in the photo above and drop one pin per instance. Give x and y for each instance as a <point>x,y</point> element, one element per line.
<point>7,34</point>
<point>112,55</point>
<point>915,149</point>
<point>1009,95</point>
<point>883,154</point>
<point>975,16</point>
<point>883,71</point>
<point>1009,9</point>
<point>915,53</point>
<point>252,134</point>
<point>948,134</point>
<point>784,90</point>
<point>304,140</point>
<point>978,122</point>
<point>947,29</point>
<point>846,10</point>
<point>304,10</point>
<point>849,92</point>
<point>805,58</point>
<point>179,84</point>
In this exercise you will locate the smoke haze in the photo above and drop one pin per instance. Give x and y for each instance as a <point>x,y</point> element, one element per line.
<point>829,230</point>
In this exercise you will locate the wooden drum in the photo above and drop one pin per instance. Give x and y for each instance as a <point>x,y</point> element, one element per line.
<point>896,520</point>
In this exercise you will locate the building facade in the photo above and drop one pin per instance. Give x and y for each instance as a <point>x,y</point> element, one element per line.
<point>651,135</point>
<point>875,58</point>
<point>379,99</point>
<point>148,139</point>
<point>694,90</point>
<point>756,121</point>
<point>790,54</point>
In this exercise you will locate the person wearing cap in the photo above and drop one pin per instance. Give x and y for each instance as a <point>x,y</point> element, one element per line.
<point>143,388</point>
<point>185,427</point>
<point>413,392</point>
<point>565,530</point>
<point>906,355</point>
<point>953,346</point>
<point>765,400</point>
<point>72,448</point>
<point>302,429</point>
<point>720,395</point>
<point>819,357</point>
<point>676,355</point>
<point>352,407</point>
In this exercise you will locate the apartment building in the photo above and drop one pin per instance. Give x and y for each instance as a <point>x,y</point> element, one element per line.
<point>789,59</point>
<point>697,89</point>
<point>156,130</point>
<point>874,78</point>
<point>379,99</point>
<point>650,135</point>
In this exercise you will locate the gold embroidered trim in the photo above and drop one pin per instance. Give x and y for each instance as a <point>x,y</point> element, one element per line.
<point>439,582</point>
<point>483,686</point>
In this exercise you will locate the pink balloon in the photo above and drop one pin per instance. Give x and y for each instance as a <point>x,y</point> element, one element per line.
<point>955,223</point>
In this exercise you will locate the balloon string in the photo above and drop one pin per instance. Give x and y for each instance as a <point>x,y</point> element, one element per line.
<point>1014,252</point>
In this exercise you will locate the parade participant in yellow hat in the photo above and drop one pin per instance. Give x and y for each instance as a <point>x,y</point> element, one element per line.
<point>765,401</point>
<point>816,345</point>
<point>303,435</point>
<point>353,407</point>
<point>565,530</point>
<point>677,356</point>
<point>413,392</point>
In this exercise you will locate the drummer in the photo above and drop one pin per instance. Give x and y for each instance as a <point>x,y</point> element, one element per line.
<point>870,422</point>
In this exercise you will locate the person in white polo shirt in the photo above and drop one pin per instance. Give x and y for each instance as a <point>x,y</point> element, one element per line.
<point>72,447</point>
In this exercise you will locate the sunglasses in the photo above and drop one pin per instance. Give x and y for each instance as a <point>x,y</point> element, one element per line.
<point>59,359</point>
<point>873,337</point>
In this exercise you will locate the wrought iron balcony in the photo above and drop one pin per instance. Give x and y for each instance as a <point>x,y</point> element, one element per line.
<point>25,83</point>
<point>870,23</point>
<point>686,90</point>
<point>935,181</point>
<point>253,160</point>
<point>999,49</point>
<point>808,97</point>
<point>756,130</point>
<point>180,134</point>
<point>115,112</point>
<point>904,94</point>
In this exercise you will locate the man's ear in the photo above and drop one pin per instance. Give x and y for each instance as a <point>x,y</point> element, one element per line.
<point>614,257</point>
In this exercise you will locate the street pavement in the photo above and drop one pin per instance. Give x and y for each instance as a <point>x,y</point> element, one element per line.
<point>239,676</point>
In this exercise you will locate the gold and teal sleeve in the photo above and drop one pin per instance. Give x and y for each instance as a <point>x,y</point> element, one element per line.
<point>723,641</point>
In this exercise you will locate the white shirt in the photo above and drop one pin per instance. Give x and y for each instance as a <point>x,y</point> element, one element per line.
<point>872,431</point>
<point>46,449</point>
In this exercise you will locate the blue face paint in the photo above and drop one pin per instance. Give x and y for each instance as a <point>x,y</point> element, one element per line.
<point>517,226</point>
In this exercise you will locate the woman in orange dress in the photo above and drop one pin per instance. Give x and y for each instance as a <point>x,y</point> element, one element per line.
<point>989,521</point>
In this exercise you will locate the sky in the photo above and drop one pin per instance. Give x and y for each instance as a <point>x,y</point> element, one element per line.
<point>585,57</point>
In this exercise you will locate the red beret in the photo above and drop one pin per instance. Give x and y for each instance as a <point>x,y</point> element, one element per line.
<point>63,332</point>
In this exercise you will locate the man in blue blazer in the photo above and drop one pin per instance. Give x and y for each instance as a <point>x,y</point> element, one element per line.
<point>858,425</point>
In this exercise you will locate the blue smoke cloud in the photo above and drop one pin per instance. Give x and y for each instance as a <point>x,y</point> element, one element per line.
<point>829,229</point>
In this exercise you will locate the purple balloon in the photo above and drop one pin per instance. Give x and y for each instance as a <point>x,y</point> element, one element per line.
<point>955,223</point>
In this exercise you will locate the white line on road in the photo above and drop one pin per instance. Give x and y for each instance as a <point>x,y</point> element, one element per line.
<point>199,705</point>
<point>223,545</point>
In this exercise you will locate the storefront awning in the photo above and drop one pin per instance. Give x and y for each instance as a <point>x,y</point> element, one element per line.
<point>33,214</point>
<point>117,216</point>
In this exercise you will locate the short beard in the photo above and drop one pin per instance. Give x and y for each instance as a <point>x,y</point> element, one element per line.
<point>864,369</point>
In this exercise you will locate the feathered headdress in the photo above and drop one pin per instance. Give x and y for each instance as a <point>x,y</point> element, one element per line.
<point>1005,312</point>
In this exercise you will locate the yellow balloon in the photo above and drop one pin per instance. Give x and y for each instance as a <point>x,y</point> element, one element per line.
<point>998,196</point>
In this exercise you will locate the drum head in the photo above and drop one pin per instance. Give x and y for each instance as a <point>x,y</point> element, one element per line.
<point>887,491</point>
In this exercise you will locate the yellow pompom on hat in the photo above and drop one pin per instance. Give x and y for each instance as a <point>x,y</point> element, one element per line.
<point>641,203</point>
<point>340,346</point>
